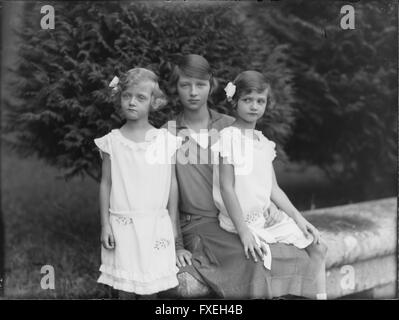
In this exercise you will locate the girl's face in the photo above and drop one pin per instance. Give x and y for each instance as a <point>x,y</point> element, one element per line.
<point>251,106</point>
<point>193,92</point>
<point>136,100</point>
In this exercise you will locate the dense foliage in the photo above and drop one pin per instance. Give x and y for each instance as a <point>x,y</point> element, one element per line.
<point>335,90</point>
<point>345,84</point>
<point>61,100</point>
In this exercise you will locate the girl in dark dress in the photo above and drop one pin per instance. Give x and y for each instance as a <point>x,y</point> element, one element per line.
<point>205,250</point>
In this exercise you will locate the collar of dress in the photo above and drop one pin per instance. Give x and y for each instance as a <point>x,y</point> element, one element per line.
<point>202,138</point>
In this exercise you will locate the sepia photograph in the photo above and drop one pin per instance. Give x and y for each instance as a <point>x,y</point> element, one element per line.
<point>187,150</point>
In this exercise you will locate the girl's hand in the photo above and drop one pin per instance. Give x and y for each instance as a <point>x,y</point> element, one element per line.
<point>272,215</point>
<point>308,229</point>
<point>183,257</point>
<point>250,245</point>
<point>107,237</point>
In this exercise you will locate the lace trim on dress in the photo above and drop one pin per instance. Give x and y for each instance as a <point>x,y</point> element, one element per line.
<point>158,139</point>
<point>140,278</point>
<point>133,144</point>
<point>139,288</point>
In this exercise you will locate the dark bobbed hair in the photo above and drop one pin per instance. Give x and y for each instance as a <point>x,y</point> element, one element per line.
<point>191,65</point>
<point>249,81</point>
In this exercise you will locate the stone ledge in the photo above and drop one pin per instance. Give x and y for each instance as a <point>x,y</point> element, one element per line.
<point>361,239</point>
<point>361,276</point>
<point>360,231</point>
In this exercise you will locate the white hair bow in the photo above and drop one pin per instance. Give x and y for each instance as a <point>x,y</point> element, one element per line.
<point>114,82</point>
<point>114,85</point>
<point>230,90</point>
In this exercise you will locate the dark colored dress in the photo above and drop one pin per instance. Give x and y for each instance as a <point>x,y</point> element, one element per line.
<point>217,255</point>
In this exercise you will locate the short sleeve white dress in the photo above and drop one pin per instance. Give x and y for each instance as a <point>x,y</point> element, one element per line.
<point>143,260</point>
<point>252,161</point>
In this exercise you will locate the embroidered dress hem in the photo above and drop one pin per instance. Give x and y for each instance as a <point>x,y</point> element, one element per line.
<point>157,285</point>
<point>131,276</point>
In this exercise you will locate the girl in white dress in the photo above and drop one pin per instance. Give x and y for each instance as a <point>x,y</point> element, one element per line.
<point>138,188</point>
<point>245,183</point>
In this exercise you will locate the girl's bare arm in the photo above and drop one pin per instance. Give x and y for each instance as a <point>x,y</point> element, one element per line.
<point>107,236</point>
<point>226,180</point>
<point>227,191</point>
<point>279,197</point>
<point>105,189</point>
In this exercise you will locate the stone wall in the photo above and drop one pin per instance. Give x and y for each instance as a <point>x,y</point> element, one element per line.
<point>362,240</point>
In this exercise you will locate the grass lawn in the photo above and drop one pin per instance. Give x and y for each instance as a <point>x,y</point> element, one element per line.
<point>49,222</point>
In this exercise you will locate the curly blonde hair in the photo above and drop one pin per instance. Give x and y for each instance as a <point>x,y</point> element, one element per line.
<point>136,75</point>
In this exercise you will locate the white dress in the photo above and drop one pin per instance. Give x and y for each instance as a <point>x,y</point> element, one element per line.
<point>252,161</point>
<point>143,260</point>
